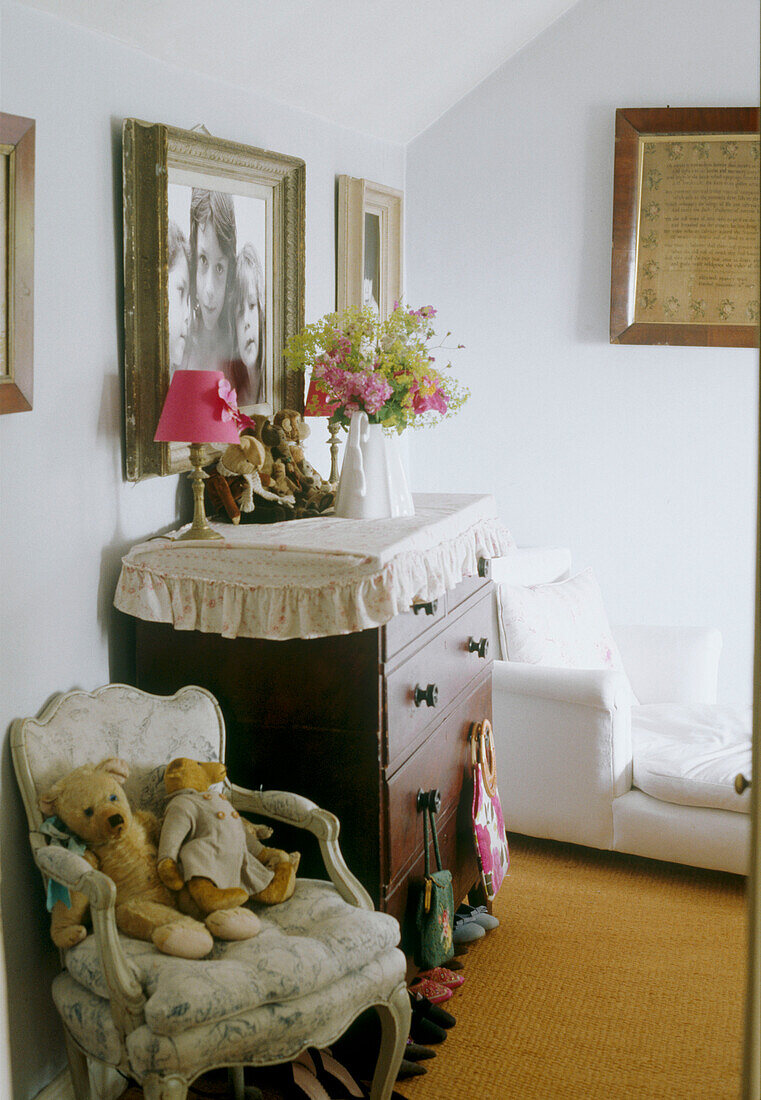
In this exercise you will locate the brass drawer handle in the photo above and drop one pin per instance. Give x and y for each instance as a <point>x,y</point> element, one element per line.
<point>741,783</point>
<point>428,695</point>
<point>481,647</point>
<point>430,608</point>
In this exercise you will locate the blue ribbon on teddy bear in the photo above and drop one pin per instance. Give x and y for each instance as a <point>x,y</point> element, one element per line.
<point>60,834</point>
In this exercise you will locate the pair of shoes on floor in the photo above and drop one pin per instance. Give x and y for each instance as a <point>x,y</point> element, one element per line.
<point>442,975</point>
<point>437,985</point>
<point>430,1022</point>
<point>472,922</point>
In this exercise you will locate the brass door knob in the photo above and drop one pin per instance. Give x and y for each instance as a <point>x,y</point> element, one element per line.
<point>481,647</point>
<point>428,695</point>
<point>741,783</point>
<point>430,608</point>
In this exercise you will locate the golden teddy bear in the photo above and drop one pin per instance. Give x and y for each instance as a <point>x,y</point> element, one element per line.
<point>210,855</point>
<point>92,804</point>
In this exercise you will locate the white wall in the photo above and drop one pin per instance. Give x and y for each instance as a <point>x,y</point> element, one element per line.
<point>67,513</point>
<point>641,459</point>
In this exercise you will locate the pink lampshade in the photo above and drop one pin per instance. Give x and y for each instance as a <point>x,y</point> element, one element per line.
<point>317,402</point>
<point>193,410</point>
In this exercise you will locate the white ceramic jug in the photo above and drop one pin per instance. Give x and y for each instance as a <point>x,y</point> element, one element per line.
<point>373,484</point>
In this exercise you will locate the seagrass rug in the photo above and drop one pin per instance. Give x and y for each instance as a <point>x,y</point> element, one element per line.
<point>609,977</point>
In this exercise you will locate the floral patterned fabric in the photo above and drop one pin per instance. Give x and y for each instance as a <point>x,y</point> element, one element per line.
<point>146,730</point>
<point>303,946</point>
<point>311,578</point>
<point>271,1033</point>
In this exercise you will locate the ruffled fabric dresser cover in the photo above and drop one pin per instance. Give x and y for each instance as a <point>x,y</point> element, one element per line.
<point>311,578</point>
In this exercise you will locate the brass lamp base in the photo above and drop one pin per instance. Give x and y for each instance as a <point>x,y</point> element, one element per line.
<point>200,528</point>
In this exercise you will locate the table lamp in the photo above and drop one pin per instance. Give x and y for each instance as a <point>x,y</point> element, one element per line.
<point>192,413</point>
<point>318,404</point>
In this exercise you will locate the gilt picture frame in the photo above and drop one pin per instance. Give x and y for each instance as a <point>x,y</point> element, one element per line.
<point>214,269</point>
<point>369,269</point>
<point>17,153</point>
<point>685,250</point>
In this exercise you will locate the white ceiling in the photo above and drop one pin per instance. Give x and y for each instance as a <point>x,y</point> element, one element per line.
<point>388,68</point>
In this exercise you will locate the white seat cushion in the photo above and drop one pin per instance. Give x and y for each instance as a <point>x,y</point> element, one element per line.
<point>306,943</point>
<point>690,755</point>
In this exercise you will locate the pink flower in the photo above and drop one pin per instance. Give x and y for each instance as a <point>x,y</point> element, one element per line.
<point>230,410</point>
<point>428,396</point>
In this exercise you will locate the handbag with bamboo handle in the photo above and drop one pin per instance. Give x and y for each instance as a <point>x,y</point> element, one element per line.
<point>488,822</point>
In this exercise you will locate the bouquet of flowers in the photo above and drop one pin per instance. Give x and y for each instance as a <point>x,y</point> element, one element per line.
<point>382,367</point>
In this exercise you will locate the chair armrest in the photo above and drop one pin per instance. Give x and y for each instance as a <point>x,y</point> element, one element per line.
<point>126,993</point>
<point>600,688</point>
<point>671,664</point>
<point>563,747</point>
<point>294,809</point>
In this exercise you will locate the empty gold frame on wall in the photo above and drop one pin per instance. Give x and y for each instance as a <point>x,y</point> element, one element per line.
<point>370,254</point>
<point>685,258</point>
<point>217,207</point>
<point>16,263</point>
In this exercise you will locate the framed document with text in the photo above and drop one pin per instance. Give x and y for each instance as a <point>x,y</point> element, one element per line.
<point>685,259</point>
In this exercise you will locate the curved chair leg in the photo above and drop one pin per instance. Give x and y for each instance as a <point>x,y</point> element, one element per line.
<point>80,1077</point>
<point>165,1088</point>
<point>395,1018</point>
<point>236,1079</point>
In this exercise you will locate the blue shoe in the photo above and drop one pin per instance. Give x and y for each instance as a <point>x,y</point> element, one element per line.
<point>465,931</point>
<point>478,914</point>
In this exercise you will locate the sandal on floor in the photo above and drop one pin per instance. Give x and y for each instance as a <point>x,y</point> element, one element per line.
<point>293,1081</point>
<point>334,1077</point>
<point>443,976</point>
<point>431,990</point>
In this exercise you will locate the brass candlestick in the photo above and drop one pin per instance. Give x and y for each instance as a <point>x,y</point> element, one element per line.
<point>334,473</point>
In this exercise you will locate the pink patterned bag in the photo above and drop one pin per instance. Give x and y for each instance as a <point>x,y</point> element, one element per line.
<point>488,823</point>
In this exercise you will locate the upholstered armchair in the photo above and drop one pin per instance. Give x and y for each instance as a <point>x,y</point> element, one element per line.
<point>321,958</point>
<point>612,737</point>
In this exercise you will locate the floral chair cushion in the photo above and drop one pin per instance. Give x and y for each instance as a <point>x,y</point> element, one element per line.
<point>264,1035</point>
<point>302,947</point>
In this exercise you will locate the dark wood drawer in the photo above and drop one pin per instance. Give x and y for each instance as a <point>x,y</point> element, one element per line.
<point>443,761</point>
<point>444,662</point>
<point>464,590</point>
<point>403,629</point>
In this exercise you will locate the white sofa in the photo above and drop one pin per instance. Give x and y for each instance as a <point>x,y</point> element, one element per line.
<point>578,762</point>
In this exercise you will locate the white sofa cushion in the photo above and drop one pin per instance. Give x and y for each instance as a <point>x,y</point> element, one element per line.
<point>690,755</point>
<point>558,625</point>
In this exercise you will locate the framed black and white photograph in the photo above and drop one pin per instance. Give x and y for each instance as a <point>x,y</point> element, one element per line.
<point>369,263</point>
<point>214,275</point>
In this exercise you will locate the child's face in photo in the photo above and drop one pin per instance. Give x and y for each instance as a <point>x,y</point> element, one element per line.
<point>247,327</point>
<point>179,310</point>
<point>211,274</point>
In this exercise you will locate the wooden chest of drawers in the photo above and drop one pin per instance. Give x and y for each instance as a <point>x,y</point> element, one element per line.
<point>358,723</point>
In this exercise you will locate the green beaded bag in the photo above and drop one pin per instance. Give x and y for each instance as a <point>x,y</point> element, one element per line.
<point>435,906</point>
